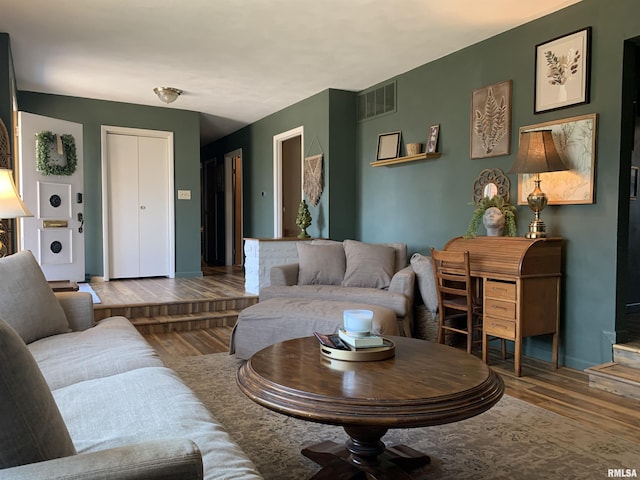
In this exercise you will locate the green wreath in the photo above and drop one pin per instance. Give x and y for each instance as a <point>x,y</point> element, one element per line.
<point>43,147</point>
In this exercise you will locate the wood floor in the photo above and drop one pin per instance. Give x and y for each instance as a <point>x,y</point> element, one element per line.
<point>565,391</point>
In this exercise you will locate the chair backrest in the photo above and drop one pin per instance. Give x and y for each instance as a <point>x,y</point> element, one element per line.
<point>453,278</point>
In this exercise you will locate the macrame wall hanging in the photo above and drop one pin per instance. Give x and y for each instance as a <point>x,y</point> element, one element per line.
<point>313,178</point>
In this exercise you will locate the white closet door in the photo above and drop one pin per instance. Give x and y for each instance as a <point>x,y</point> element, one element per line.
<point>124,230</point>
<point>153,185</point>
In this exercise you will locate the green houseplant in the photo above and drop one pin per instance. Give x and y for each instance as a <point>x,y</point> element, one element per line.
<point>509,212</point>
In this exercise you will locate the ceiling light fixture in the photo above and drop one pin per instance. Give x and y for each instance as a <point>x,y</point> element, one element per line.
<point>167,94</point>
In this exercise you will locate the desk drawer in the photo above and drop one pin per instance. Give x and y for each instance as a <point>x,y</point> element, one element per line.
<point>500,290</point>
<point>499,327</point>
<point>498,308</point>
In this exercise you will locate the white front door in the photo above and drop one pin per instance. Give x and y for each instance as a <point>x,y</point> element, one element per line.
<point>55,232</point>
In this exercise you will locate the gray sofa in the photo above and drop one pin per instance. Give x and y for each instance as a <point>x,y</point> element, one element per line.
<point>349,271</point>
<point>79,400</point>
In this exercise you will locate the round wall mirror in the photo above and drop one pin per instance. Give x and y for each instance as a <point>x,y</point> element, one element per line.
<point>491,182</point>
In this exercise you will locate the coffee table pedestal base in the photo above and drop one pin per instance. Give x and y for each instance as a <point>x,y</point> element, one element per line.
<point>364,453</point>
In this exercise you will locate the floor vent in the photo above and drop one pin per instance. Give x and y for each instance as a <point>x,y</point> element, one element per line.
<point>377,101</point>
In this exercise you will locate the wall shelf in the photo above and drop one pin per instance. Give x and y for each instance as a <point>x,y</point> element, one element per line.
<point>409,158</point>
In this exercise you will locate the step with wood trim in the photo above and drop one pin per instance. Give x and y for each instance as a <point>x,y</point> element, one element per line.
<point>615,378</point>
<point>627,354</point>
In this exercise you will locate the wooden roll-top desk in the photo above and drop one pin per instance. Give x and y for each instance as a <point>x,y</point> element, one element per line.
<point>521,288</point>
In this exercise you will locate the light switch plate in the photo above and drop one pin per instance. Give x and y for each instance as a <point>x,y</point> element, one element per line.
<point>184,194</point>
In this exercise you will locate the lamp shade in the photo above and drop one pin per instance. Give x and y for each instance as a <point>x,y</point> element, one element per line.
<point>167,94</point>
<point>537,154</point>
<point>11,205</point>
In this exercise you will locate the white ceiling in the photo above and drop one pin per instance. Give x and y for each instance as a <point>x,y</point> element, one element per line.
<point>240,60</point>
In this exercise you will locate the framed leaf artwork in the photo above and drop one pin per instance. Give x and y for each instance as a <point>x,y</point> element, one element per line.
<point>562,71</point>
<point>491,120</point>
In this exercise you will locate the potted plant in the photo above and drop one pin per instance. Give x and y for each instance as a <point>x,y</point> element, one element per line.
<point>303,220</point>
<point>507,210</point>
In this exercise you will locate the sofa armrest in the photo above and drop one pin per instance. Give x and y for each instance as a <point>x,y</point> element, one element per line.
<point>78,307</point>
<point>284,275</point>
<point>174,459</point>
<point>404,282</point>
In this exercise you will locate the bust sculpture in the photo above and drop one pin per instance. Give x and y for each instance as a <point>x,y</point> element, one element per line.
<point>493,221</point>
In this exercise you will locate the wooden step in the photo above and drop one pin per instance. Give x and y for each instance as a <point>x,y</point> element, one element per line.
<point>615,378</point>
<point>180,308</point>
<point>185,323</point>
<point>627,354</point>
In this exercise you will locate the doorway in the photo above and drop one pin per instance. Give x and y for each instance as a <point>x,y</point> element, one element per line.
<point>222,210</point>
<point>287,180</point>
<point>631,124</point>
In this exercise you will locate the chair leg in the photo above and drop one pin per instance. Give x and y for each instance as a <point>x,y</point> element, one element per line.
<point>440,329</point>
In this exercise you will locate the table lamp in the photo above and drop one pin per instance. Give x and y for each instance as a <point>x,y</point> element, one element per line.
<point>537,154</point>
<point>11,205</point>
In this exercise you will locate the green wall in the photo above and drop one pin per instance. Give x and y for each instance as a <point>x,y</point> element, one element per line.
<point>92,114</point>
<point>426,203</point>
<point>327,118</point>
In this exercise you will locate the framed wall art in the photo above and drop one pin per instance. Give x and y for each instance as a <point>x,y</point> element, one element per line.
<point>388,146</point>
<point>575,141</point>
<point>562,71</point>
<point>491,120</point>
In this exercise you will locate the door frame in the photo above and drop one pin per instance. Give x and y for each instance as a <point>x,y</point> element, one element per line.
<point>137,132</point>
<point>277,174</point>
<point>232,211</point>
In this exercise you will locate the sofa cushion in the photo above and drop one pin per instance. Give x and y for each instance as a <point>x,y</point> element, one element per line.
<point>149,404</point>
<point>395,301</point>
<point>321,264</point>
<point>368,265</point>
<point>28,303</point>
<point>423,267</point>
<point>31,427</point>
<point>113,346</point>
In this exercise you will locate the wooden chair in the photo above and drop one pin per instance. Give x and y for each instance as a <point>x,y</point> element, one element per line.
<point>458,309</point>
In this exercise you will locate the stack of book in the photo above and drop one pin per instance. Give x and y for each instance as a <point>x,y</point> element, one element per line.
<point>360,341</point>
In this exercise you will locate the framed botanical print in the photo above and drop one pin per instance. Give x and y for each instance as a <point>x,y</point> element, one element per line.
<point>562,71</point>
<point>491,120</point>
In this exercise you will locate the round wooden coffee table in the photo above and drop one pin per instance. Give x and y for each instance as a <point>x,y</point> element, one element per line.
<point>424,384</point>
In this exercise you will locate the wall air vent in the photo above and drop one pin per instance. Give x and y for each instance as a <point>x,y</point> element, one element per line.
<point>377,101</point>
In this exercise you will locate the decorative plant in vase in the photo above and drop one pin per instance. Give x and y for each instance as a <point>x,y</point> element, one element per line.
<point>303,220</point>
<point>506,211</point>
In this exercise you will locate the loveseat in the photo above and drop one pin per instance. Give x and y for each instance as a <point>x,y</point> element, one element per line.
<point>79,400</point>
<point>349,271</point>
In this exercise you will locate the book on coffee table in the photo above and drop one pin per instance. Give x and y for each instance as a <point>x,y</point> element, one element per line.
<point>360,341</point>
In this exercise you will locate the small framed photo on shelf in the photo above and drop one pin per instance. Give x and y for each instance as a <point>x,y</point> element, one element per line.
<point>388,146</point>
<point>562,71</point>
<point>432,139</point>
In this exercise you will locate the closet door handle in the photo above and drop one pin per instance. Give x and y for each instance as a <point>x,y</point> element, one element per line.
<point>143,207</point>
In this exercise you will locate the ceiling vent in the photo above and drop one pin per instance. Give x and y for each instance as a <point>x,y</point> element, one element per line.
<point>377,101</point>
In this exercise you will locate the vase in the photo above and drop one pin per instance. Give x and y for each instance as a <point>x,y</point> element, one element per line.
<point>562,93</point>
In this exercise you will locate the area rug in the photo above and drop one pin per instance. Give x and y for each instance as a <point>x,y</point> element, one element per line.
<point>513,440</point>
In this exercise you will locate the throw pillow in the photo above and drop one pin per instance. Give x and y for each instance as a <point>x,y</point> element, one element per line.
<point>368,265</point>
<point>27,303</point>
<point>423,267</point>
<point>320,264</point>
<point>31,426</point>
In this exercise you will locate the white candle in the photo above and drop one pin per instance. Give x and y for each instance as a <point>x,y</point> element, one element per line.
<point>358,321</point>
